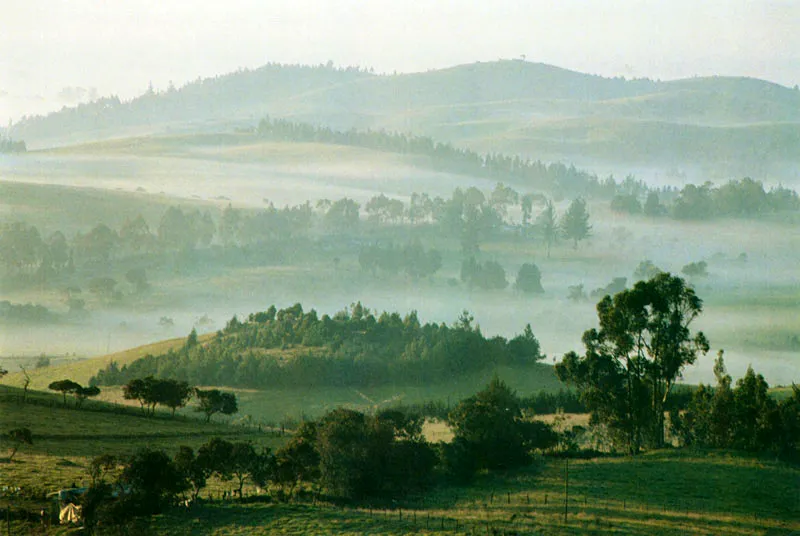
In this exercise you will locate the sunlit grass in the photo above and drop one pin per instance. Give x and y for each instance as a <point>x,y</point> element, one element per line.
<point>82,371</point>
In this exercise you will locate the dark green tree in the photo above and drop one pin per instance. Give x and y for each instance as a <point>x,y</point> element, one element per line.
<point>633,360</point>
<point>529,279</point>
<point>490,427</point>
<point>215,401</point>
<point>64,387</point>
<point>575,223</point>
<point>352,448</point>
<point>194,469</point>
<point>298,460</point>
<point>82,393</point>
<point>153,480</point>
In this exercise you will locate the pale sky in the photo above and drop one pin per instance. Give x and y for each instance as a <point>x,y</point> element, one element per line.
<point>118,46</point>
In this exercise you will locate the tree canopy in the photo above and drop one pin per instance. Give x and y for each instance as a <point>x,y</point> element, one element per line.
<point>632,361</point>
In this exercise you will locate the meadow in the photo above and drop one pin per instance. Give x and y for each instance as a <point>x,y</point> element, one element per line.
<point>672,491</point>
<point>663,492</point>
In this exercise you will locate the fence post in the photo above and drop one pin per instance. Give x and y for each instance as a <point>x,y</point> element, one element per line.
<point>566,488</point>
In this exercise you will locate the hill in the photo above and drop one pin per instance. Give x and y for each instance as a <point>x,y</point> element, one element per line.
<point>82,371</point>
<point>65,438</point>
<point>469,105</point>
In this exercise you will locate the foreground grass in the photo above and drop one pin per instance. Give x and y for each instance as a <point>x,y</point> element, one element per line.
<point>667,492</point>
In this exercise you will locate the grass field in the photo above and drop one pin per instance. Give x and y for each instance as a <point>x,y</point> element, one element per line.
<point>82,371</point>
<point>665,492</point>
<point>65,439</point>
<point>273,406</point>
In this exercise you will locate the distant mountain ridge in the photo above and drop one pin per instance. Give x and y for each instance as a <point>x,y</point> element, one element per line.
<point>527,108</point>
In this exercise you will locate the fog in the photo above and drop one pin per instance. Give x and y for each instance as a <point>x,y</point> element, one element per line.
<point>739,315</point>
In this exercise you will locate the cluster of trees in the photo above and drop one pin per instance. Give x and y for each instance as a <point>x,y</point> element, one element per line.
<point>27,313</point>
<point>80,392</point>
<point>353,347</point>
<point>627,374</point>
<point>151,392</point>
<point>346,453</point>
<point>488,275</point>
<point>412,259</point>
<point>7,146</point>
<point>173,394</point>
<point>743,416</point>
<point>745,198</point>
<point>151,481</point>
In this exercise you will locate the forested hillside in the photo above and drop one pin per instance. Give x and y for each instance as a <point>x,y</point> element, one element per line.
<point>355,347</point>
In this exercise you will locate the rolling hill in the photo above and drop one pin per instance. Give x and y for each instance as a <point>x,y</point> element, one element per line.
<point>531,109</point>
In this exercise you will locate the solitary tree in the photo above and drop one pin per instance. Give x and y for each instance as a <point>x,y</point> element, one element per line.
<point>19,437</point>
<point>174,394</point>
<point>82,393</point>
<point>575,224</point>
<point>632,361</point>
<point>100,466</point>
<point>64,387</point>
<point>529,279</point>
<point>215,401</point>
<point>548,225</point>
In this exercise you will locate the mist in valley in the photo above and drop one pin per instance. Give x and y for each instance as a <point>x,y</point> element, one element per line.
<point>151,207</point>
<point>323,272</point>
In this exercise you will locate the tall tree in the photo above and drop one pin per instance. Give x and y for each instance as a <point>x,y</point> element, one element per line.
<point>632,361</point>
<point>548,225</point>
<point>575,224</point>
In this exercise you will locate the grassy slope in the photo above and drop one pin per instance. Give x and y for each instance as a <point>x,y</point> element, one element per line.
<point>69,209</point>
<point>65,438</point>
<point>82,371</point>
<point>669,492</point>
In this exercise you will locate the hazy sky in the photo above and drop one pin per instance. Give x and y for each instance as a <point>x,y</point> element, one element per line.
<point>118,46</point>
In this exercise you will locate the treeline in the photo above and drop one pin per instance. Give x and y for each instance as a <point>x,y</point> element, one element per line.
<point>28,313</point>
<point>745,198</point>
<point>743,416</point>
<point>354,347</point>
<point>558,178</point>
